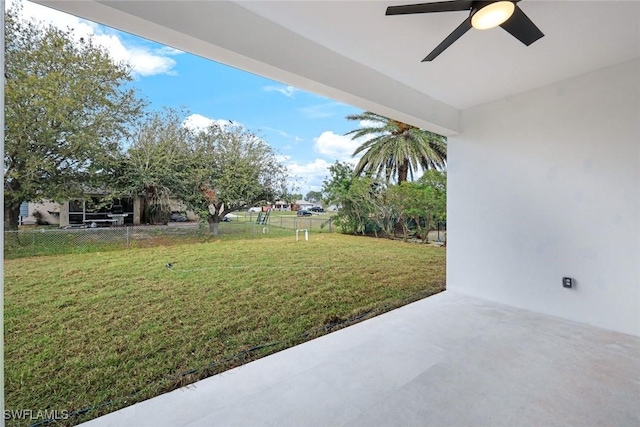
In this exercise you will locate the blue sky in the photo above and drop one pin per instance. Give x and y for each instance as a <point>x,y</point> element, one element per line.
<point>307,130</point>
<point>288,118</point>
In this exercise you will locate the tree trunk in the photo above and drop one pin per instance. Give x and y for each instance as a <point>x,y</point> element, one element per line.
<point>11,213</point>
<point>403,171</point>
<point>422,231</point>
<point>398,227</point>
<point>426,231</point>
<point>213,224</point>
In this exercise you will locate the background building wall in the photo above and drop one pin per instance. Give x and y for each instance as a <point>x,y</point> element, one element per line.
<point>49,213</point>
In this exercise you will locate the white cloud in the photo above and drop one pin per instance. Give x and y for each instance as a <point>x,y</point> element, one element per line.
<point>168,50</point>
<point>337,147</point>
<point>278,131</point>
<point>308,176</point>
<point>287,91</point>
<point>144,60</point>
<point>296,139</point>
<point>198,122</point>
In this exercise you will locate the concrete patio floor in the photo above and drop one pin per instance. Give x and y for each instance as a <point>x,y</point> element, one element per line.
<point>448,360</point>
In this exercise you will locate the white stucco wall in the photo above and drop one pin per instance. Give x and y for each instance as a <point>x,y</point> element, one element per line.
<point>50,212</point>
<point>546,184</point>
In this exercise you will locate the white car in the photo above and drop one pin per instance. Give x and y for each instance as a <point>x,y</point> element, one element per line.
<point>255,209</point>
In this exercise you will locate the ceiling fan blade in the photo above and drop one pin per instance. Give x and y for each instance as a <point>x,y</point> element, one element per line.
<point>451,38</point>
<point>522,28</point>
<point>442,6</point>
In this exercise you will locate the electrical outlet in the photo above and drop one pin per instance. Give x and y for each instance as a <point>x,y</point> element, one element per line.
<point>567,282</point>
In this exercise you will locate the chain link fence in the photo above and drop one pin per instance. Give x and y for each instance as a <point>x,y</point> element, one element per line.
<point>49,241</point>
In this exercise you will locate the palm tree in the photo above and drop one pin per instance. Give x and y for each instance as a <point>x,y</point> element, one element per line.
<point>396,149</point>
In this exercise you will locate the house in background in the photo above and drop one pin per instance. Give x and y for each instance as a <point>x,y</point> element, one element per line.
<point>303,204</point>
<point>40,213</point>
<point>178,206</point>
<point>281,205</point>
<point>92,211</point>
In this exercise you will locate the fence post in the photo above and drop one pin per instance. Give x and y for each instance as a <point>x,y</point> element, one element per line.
<point>127,235</point>
<point>330,230</point>
<point>280,222</point>
<point>33,241</point>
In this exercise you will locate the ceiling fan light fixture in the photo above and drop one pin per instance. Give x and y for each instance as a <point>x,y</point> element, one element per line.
<point>492,15</point>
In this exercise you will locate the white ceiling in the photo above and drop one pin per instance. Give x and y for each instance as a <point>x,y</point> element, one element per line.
<point>482,66</point>
<point>351,51</point>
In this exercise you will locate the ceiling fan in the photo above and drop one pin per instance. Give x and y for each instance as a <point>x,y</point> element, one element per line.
<point>482,15</point>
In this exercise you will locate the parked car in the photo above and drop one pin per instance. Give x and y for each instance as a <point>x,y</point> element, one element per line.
<point>317,209</point>
<point>304,212</point>
<point>178,217</point>
<point>255,209</point>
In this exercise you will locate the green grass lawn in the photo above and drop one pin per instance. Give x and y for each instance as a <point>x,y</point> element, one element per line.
<point>107,329</point>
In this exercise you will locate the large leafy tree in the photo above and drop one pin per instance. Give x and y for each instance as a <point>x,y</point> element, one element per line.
<point>395,149</point>
<point>371,205</point>
<point>156,164</point>
<point>353,195</point>
<point>419,205</point>
<point>231,169</point>
<point>337,184</point>
<point>67,110</point>
<point>314,196</point>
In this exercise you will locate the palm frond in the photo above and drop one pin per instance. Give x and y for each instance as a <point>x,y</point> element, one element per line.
<point>396,147</point>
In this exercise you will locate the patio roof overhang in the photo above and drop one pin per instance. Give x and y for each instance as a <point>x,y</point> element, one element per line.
<point>350,51</point>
